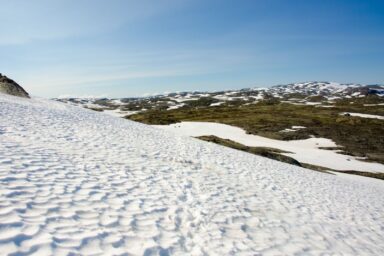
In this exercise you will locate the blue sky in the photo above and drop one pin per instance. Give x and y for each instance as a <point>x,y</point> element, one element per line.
<point>122,48</point>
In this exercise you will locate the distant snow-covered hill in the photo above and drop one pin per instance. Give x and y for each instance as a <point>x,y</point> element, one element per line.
<point>79,182</point>
<point>327,91</point>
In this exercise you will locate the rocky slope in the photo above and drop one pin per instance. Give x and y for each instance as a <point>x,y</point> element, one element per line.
<point>8,86</point>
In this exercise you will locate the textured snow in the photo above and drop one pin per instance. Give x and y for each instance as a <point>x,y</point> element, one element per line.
<point>305,151</point>
<point>119,113</point>
<point>78,182</point>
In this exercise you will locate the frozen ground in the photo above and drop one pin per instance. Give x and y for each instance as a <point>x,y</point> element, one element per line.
<point>79,182</point>
<point>305,151</point>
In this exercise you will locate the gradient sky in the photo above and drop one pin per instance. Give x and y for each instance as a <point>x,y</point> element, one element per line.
<point>120,48</point>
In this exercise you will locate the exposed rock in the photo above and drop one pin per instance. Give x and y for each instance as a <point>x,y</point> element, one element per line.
<point>8,86</point>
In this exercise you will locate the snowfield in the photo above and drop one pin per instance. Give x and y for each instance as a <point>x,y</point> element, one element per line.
<point>75,181</point>
<point>363,115</point>
<point>305,151</point>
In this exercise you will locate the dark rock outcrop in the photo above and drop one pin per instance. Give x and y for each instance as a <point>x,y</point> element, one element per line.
<point>8,86</point>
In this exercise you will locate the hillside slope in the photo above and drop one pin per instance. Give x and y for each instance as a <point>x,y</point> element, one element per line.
<point>8,86</point>
<point>77,181</point>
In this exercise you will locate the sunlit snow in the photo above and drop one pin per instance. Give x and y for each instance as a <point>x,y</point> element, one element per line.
<point>78,182</point>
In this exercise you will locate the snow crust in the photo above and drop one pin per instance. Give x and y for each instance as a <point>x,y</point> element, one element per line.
<point>305,151</point>
<point>78,182</point>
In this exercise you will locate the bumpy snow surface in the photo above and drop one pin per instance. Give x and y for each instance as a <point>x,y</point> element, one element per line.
<point>74,181</point>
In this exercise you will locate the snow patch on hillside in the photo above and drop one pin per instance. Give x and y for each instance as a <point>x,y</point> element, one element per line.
<point>363,115</point>
<point>305,151</point>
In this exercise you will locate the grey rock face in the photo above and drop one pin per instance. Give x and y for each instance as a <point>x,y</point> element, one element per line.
<point>8,86</point>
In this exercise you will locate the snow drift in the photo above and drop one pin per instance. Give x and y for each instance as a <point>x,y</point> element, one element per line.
<point>82,182</point>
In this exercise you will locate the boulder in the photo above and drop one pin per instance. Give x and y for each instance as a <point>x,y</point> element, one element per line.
<point>8,86</point>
